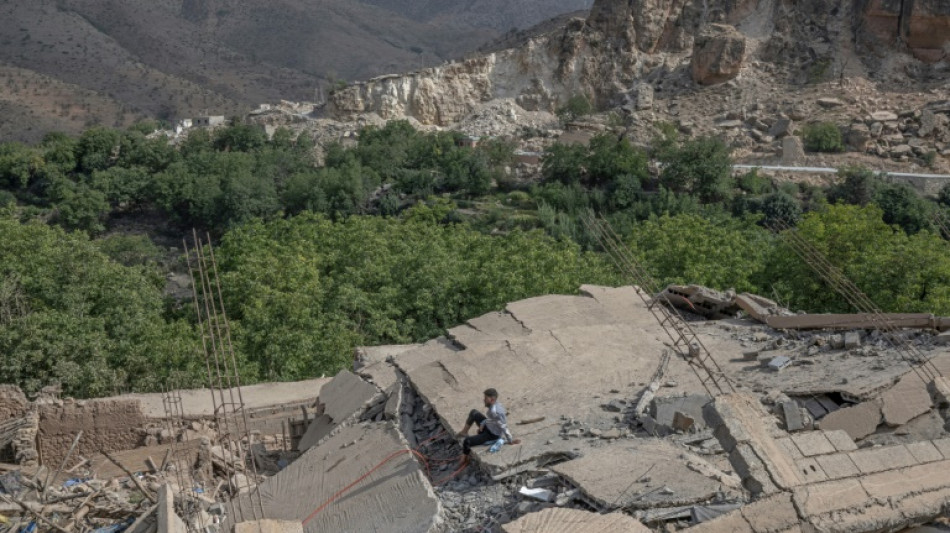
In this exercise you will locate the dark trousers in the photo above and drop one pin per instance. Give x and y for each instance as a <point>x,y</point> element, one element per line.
<point>482,437</point>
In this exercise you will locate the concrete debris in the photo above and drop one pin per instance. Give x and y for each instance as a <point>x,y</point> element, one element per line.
<point>345,396</point>
<point>700,300</point>
<point>269,526</point>
<point>628,436</point>
<point>557,520</point>
<point>394,497</point>
<point>616,477</point>
<point>858,421</point>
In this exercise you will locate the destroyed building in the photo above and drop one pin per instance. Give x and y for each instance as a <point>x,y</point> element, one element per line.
<point>618,432</point>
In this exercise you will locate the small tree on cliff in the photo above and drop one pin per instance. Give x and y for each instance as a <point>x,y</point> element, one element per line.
<point>576,106</point>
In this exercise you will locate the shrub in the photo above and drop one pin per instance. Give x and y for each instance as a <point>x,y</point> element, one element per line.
<point>576,106</point>
<point>823,137</point>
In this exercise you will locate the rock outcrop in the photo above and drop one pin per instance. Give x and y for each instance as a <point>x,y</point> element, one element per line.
<point>923,25</point>
<point>623,42</point>
<point>717,54</point>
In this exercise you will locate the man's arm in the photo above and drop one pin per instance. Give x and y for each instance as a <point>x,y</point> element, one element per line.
<point>502,417</point>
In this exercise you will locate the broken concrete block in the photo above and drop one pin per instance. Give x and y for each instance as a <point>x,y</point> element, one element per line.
<point>775,513</point>
<point>941,339</point>
<point>168,521</point>
<point>751,469</point>
<point>852,339</point>
<point>779,363</point>
<point>793,416</point>
<point>664,409</point>
<point>573,520</point>
<point>906,400</point>
<point>269,526</point>
<point>858,421</point>
<point>940,389</point>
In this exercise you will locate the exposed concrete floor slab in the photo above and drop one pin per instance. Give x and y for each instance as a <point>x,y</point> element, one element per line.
<point>395,497</point>
<point>371,363</point>
<point>828,371</point>
<point>559,520</point>
<point>197,402</point>
<point>640,473</point>
<point>344,395</point>
<point>577,357</point>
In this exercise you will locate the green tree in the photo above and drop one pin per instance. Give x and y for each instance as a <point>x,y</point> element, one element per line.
<point>83,320</point>
<point>902,206</point>
<point>780,208</point>
<point>304,291</point>
<point>575,107</point>
<point>857,186</point>
<point>564,163</point>
<point>718,252</point>
<point>899,273</point>
<point>611,156</point>
<point>701,166</point>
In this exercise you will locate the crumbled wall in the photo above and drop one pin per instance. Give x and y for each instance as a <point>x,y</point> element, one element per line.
<point>13,403</point>
<point>107,425</point>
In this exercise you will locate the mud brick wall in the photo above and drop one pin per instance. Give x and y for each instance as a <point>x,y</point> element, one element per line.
<point>13,403</point>
<point>107,425</point>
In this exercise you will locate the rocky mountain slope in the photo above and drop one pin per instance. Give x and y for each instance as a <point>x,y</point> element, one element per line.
<point>112,61</point>
<point>625,41</point>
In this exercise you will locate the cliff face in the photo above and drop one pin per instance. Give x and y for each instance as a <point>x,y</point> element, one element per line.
<point>624,40</point>
<point>923,25</point>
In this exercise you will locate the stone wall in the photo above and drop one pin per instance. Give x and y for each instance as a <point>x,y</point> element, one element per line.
<point>13,403</point>
<point>107,425</point>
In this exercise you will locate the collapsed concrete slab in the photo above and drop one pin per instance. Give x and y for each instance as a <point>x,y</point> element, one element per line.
<point>557,520</point>
<point>858,421</point>
<point>836,487</point>
<point>395,496</point>
<point>269,526</point>
<point>342,398</point>
<point>535,360</point>
<point>640,474</point>
<point>196,403</point>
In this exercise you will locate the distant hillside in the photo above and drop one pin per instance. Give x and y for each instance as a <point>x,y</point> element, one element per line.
<point>498,15</point>
<point>67,64</point>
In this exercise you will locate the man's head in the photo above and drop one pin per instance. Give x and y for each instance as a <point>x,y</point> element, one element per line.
<point>491,396</point>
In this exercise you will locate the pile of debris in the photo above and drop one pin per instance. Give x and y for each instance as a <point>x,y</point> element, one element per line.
<point>617,433</point>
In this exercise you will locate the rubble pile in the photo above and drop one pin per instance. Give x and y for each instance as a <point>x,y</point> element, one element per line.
<point>828,428</point>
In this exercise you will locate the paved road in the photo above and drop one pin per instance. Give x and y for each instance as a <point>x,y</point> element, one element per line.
<point>830,170</point>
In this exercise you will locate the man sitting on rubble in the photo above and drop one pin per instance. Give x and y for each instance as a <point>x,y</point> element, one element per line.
<point>492,425</point>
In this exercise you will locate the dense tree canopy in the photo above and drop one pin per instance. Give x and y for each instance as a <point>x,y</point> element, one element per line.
<point>397,238</point>
<point>304,291</point>
<point>69,314</point>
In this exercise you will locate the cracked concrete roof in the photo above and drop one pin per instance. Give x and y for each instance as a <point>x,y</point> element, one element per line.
<point>396,497</point>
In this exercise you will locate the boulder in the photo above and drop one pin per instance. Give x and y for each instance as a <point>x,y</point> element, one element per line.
<point>783,127</point>
<point>859,135</point>
<point>718,53</point>
<point>793,151</point>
